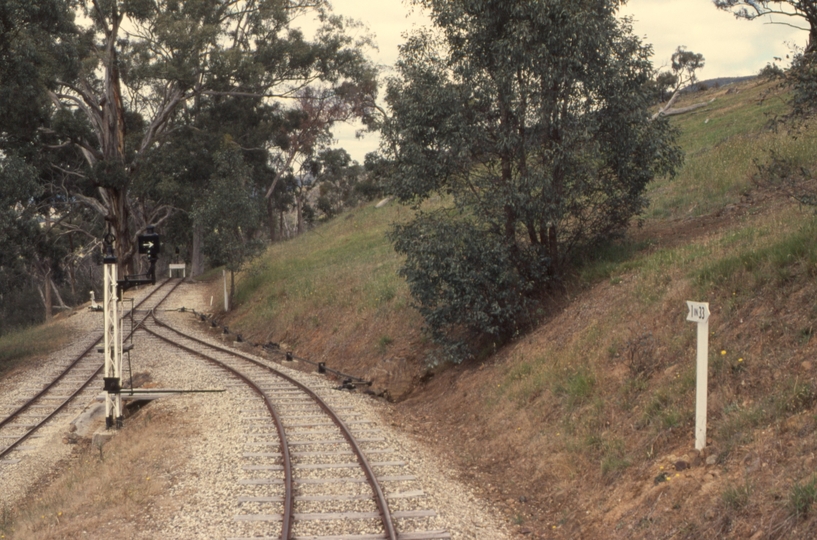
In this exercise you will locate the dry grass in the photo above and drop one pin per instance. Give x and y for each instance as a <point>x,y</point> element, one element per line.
<point>108,492</point>
<point>579,417</point>
<point>19,347</point>
<point>333,295</point>
<point>569,427</point>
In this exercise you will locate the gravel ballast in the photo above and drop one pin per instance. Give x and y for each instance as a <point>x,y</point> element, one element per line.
<point>233,448</point>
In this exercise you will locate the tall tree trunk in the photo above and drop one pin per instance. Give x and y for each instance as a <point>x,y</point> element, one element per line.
<point>232,289</point>
<point>113,150</point>
<point>46,294</point>
<point>118,219</point>
<point>57,294</point>
<point>197,257</point>
<point>299,203</point>
<point>273,236</point>
<point>71,270</point>
<point>281,224</point>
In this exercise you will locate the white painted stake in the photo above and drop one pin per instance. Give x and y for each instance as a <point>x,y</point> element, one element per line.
<point>699,313</point>
<point>226,299</point>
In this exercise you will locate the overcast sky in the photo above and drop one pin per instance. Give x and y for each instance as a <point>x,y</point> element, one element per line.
<point>731,47</point>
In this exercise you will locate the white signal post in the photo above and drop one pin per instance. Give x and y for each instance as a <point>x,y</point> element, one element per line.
<point>699,313</point>
<point>149,245</point>
<point>112,343</point>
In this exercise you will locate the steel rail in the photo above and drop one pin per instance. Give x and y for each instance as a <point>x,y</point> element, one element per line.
<point>289,492</point>
<point>50,386</point>
<point>70,366</point>
<point>379,496</point>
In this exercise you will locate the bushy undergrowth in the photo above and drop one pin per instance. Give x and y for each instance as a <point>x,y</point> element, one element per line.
<point>464,282</point>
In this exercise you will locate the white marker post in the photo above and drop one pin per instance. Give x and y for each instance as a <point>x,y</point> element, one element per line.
<point>699,313</point>
<point>226,298</point>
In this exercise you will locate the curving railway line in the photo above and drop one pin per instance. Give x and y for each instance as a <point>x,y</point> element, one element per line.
<point>68,382</point>
<point>306,462</point>
<point>311,466</point>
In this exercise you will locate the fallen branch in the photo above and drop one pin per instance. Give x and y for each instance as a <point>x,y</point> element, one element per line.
<point>666,111</point>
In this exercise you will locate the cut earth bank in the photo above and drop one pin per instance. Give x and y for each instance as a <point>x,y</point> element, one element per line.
<point>584,427</point>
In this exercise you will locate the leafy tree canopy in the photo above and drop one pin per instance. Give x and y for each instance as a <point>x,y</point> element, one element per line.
<point>118,78</point>
<point>531,117</point>
<point>230,211</point>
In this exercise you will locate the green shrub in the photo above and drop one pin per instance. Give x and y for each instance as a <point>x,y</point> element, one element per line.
<point>464,281</point>
<point>737,497</point>
<point>577,387</point>
<point>802,497</point>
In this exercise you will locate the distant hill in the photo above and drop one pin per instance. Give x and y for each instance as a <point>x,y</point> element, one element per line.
<point>718,82</point>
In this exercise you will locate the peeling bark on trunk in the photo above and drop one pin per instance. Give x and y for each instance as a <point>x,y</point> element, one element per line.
<point>118,218</point>
<point>57,294</point>
<point>45,294</point>
<point>197,257</point>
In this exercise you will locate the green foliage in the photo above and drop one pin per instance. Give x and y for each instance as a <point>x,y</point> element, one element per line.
<point>736,497</point>
<point>34,49</point>
<point>771,71</point>
<point>802,497</point>
<point>93,104</point>
<point>762,265</point>
<point>338,182</point>
<point>542,159</point>
<point>229,212</point>
<point>665,82</point>
<point>684,64</point>
<point>461,278</point>
<point>803,77</point>
<point>576,387</point>
<point>31,250</point>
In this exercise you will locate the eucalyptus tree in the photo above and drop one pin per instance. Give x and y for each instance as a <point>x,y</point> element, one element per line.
<point>306,130</point>
<point>143,61</point>
<point>338,181</point>
<point>531,117</point>
<point>802,14</point>
<point>682,74</point>
<point>35,48</point>
<point>230,210</point>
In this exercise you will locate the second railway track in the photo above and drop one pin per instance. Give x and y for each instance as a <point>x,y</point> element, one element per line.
<point>60,387</point>
<point>227,477</point>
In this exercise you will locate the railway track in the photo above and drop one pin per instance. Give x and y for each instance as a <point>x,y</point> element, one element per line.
<point>65,383</point>
<point>313,468</point>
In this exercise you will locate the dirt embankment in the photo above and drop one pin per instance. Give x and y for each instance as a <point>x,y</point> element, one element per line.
<point>616,459</point>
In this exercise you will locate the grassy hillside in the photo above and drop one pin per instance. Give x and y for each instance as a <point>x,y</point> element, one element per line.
<point>584,427</point>
<point>333,295</point>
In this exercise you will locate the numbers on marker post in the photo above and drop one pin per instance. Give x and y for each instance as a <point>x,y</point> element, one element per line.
<point>698,312</point>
